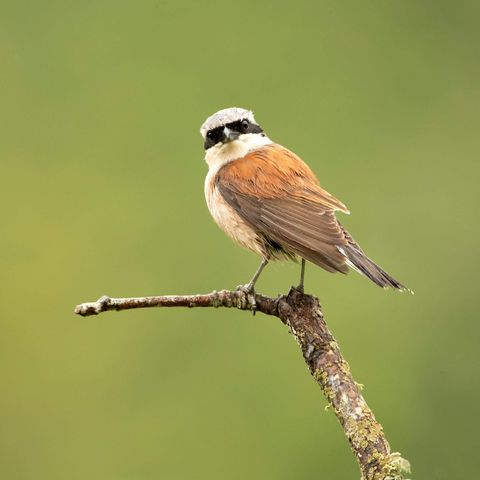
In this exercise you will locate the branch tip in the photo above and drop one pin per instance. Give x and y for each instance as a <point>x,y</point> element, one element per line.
<point>303,316</point>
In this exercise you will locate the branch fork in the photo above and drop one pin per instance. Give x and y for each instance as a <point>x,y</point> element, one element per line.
<point>303,315</point>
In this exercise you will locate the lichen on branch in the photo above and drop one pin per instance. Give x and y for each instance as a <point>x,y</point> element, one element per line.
<point>303,315</point>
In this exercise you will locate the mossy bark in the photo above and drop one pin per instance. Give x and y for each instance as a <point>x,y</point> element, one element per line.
<point>303,315</point>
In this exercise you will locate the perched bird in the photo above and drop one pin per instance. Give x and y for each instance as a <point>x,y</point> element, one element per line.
<point>268,200</point>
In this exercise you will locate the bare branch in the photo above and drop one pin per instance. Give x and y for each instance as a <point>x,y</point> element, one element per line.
<point>224,298</point>
<point>303,315</point>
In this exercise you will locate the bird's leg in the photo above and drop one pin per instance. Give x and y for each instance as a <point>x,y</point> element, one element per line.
<point>250,285</point>
<point>302,275</point>
<point>249,288</point>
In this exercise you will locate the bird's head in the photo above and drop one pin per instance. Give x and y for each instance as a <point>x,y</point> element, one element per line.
<point>230,133</point>
<point>229,125</point>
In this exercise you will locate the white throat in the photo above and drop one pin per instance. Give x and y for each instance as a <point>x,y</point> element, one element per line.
<point>221,154</point>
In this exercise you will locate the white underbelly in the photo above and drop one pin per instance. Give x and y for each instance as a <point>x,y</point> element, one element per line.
<point>229,221</point>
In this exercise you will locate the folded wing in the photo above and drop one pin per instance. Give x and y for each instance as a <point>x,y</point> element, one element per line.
<point>278,195</point>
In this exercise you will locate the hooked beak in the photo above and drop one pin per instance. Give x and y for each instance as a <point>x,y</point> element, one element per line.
<point>229,135</point>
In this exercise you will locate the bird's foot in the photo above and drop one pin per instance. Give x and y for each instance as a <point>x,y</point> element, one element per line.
<point>249,291</point>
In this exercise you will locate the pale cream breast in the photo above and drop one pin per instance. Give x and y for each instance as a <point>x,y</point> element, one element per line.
<point>224,215</point>
<point>228,220</point>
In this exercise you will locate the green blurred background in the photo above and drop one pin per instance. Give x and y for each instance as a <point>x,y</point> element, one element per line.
<point>102,193</point>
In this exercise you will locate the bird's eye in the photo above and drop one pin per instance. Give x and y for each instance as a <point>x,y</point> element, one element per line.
<point>245,126</point>
<point>210,134</point>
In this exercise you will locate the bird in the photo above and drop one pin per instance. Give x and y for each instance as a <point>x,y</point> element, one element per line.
<point>269,201</point>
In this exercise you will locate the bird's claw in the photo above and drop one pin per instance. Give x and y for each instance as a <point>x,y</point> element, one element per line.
<point>249,291</point>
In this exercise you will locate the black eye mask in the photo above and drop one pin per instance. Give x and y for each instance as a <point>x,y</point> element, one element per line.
<point>216,135</point>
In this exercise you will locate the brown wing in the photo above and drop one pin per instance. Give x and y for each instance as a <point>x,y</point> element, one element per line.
<point>278,195</point>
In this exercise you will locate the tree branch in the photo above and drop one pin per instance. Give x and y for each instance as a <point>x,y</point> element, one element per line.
<point>303,315</point>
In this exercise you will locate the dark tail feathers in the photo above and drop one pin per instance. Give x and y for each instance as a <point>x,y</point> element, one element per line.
<point>360,262</point>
